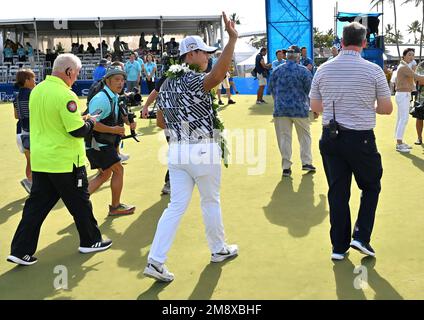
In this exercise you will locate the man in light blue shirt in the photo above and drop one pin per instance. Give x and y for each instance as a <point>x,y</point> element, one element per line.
<point>133,71</point>
<point>102,150</point>
<point>280,59</point>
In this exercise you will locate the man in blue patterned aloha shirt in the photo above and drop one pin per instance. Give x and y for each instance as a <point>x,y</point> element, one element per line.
<point>289,85</point>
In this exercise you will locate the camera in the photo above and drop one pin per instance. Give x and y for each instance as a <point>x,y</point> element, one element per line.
<point>131,99</point>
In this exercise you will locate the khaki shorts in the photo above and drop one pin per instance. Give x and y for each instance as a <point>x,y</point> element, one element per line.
<point>224,84</point>
<point>262,80</point>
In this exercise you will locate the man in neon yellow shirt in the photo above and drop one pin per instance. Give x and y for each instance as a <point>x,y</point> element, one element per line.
<point>58,163</point>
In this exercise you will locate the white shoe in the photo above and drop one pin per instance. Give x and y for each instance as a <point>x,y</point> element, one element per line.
<point>402,148</point>
<point>338,256</point>
<point>124,157</point>
<point>166,188</point>
<point>407,146</point>
<point>227,252</point>
<point>259,102</point>
<point>160,273</point>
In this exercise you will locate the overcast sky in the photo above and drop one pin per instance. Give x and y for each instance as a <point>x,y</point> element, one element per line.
<point>251,13</point>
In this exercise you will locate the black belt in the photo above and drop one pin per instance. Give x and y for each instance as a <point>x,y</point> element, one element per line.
<point>339,127</point>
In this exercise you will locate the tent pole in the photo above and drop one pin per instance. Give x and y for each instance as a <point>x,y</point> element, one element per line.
<point>100,37</point>
<point>36,41</point>
<point>162,42</point>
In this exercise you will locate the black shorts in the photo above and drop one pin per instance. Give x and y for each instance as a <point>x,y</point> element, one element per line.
<point>103,159</point>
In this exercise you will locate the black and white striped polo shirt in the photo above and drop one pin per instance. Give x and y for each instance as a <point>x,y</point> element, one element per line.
<point>353,84</point>
<point>187,108</point>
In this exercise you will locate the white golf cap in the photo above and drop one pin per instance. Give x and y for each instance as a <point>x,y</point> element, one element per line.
<point>192,43</point>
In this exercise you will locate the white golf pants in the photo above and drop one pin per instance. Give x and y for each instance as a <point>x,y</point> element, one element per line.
<point>191,164</point>
<point>403,102</point>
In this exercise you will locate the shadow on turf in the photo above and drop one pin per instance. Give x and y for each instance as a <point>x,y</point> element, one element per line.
<point>37,281</point>
<point>137,238</point>
<point>416,161</point>
<point>261,109</point>
<point>204,289</point>
<point>17,206</point>
<point>11,209</point>
<point>151,129</point>
<point>296,210</point>
<point>345,277</point>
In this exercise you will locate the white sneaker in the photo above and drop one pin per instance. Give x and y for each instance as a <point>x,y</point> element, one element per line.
<point>160,273</point>
<point>124,157</point>
<point>259,102</point>
<point>407,146</point>
<point>338,256</point>
<point>402,148</point>
<point>227,252</point>
<point>166,188</point>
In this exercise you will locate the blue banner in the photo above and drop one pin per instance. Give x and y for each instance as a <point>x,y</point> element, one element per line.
<point>289,22</point>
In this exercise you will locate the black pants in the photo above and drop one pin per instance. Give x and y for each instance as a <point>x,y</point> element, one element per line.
<point>47,189</point>
<point>352,152</point>
<point>150,85</point>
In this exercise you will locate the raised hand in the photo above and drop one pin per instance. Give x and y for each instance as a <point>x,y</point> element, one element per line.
<point>230,27</point>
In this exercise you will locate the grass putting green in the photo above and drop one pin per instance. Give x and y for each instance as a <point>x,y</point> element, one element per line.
<point>281,225</point>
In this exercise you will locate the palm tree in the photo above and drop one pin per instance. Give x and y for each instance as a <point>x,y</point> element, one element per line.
<point>417,3</point>
<point>234,17</point>
<point>413,28</point>
<point>374,3</point>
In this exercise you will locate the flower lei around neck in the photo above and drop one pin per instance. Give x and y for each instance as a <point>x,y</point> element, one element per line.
<point>176,71</point>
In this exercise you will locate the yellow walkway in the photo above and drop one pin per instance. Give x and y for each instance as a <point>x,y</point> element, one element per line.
<point>280,225</point>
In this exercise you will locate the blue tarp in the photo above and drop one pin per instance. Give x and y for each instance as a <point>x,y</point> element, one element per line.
<point>244,86</point>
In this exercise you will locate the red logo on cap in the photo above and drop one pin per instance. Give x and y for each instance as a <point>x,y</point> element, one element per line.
<point>72,106</point>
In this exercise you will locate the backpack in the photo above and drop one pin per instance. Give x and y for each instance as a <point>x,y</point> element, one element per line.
<point>95,88</point>
<point>111,120</point>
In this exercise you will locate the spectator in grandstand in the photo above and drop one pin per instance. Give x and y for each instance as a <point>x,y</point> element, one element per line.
<point>51,56</point>
<point>133,72</point>
<point>30,54</point>
<point>21,53</point>
<point>142,43</point>
<point>100,70</point>
<point>25,81</point>
<point>172,47</point>
<point>90,48</point>
<point>105,46</point>
<point>8,53</point>
<point>117,48</point>
<point>154,42</point>
<point>150,72</point>
<point>81,49</point>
